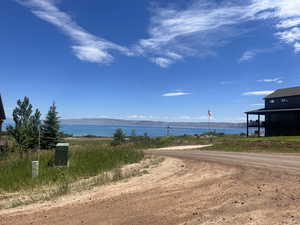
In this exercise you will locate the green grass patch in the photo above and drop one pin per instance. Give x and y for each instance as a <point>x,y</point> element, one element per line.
<point>93,156</point>
<point>254,144</point>
<point>86,160</point>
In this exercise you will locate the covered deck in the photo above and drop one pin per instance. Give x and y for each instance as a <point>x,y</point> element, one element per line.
<point>256,123</point>
<point>267,113</point>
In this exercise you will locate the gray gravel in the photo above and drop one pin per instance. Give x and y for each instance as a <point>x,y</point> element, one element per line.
<point>290,161</point>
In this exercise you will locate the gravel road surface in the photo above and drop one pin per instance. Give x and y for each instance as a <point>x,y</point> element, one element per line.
<point>289,161</point>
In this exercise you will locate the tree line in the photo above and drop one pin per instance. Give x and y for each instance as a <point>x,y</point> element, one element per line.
<point>29,131</point>
<point>119,137</point>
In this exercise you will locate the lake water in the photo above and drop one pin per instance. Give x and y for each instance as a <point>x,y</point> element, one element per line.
<point>153,131</point>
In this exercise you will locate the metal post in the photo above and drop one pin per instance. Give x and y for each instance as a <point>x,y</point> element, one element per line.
<point>35,164</point>
<point>35,169</point>
<point>258,125</point>
<point>39,143</point>
<point>168,131</point>
<point>247,125</point>
<point>209,127</point>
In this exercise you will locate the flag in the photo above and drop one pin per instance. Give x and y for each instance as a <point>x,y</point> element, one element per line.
<point>209,113</point>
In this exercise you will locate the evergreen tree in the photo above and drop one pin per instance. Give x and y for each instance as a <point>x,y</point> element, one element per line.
<point>119,137</point>
<point>50,135</point>
<point>26,129</point>
<point>133,137</point>
<point>146,137</point>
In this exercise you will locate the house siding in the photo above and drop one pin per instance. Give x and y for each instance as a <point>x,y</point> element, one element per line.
<point>282,124</point>
<point>292,102</point>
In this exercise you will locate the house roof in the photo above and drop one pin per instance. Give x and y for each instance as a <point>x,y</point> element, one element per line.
<point>264,111</point>
<point>285,92</point>
<point>2,113</point>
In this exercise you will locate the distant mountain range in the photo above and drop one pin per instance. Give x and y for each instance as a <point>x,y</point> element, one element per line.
<point>119,122</point>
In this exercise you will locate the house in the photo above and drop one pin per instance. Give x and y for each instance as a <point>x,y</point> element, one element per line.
<point>281,114</point>
<point>2,114</point>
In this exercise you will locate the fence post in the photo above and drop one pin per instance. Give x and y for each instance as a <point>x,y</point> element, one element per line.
<point>35,169</point>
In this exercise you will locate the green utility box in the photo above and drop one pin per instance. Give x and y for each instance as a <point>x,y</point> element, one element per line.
<point>62,154</point>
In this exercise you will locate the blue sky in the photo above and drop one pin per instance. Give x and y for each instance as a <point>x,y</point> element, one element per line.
<point>148,60</point>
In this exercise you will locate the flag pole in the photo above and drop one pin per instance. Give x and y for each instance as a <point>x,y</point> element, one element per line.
<point>209,125</point>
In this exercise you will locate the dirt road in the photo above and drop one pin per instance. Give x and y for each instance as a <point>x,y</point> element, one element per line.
<point>183,192</point>
<point>265,160</point>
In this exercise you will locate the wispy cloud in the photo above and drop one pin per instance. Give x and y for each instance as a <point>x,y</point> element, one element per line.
<point>258,93</point>
<point>250,54</point>
<point>162,62</point>
<point>87,46</point>
<point>277,80</point>
<point>197,29</point>
<point>178,118</point>
<point>139,117</point>
<point>257,105</point>
<point>173,94</point>
<point>200,28</point>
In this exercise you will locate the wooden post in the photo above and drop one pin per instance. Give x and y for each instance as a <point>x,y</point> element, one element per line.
<point>258,125</point>
<point>247,125</point>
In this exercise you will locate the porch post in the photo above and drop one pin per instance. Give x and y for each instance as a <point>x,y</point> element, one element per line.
<point>247,125</point>
<point>258,125</point>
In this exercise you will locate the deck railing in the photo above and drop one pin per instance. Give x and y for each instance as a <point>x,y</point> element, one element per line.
<point>256,123</point>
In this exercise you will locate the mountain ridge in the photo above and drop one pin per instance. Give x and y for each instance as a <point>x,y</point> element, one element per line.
<point>123,122</point>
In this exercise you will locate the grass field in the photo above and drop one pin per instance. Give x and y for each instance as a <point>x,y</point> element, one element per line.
<point>93,156</point>
<point>222,143</point>
<point>86,159</point>
<point>255,144</point>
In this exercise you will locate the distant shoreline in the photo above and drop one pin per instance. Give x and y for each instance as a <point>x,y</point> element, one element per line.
<point>140,130</point>
<point>153,126</point>
<point>119,122</point>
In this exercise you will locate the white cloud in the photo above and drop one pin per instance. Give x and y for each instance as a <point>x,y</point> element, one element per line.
<point>162,62</point>
<point>297,47</point>
<point>205,25</point>
<point>139,117</point>
<point>289,23</point>
<point>87,46</point>
<point>290,36</point>
<point>277,80</point>
<point>169,118</point>
<point>257,93</point>
<point>172,94</point>
<point>248,55</point>
<point>92,54</point>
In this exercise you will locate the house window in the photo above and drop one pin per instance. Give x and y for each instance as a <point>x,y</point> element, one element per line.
<point>284,100</point>
<point>272,101</point>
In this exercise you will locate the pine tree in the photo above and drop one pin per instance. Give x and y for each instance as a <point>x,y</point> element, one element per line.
<point>119,137</point>
<point>26,129</point>
<point>146,137</point>
<point>133,137</point>
<point>50,135</point>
